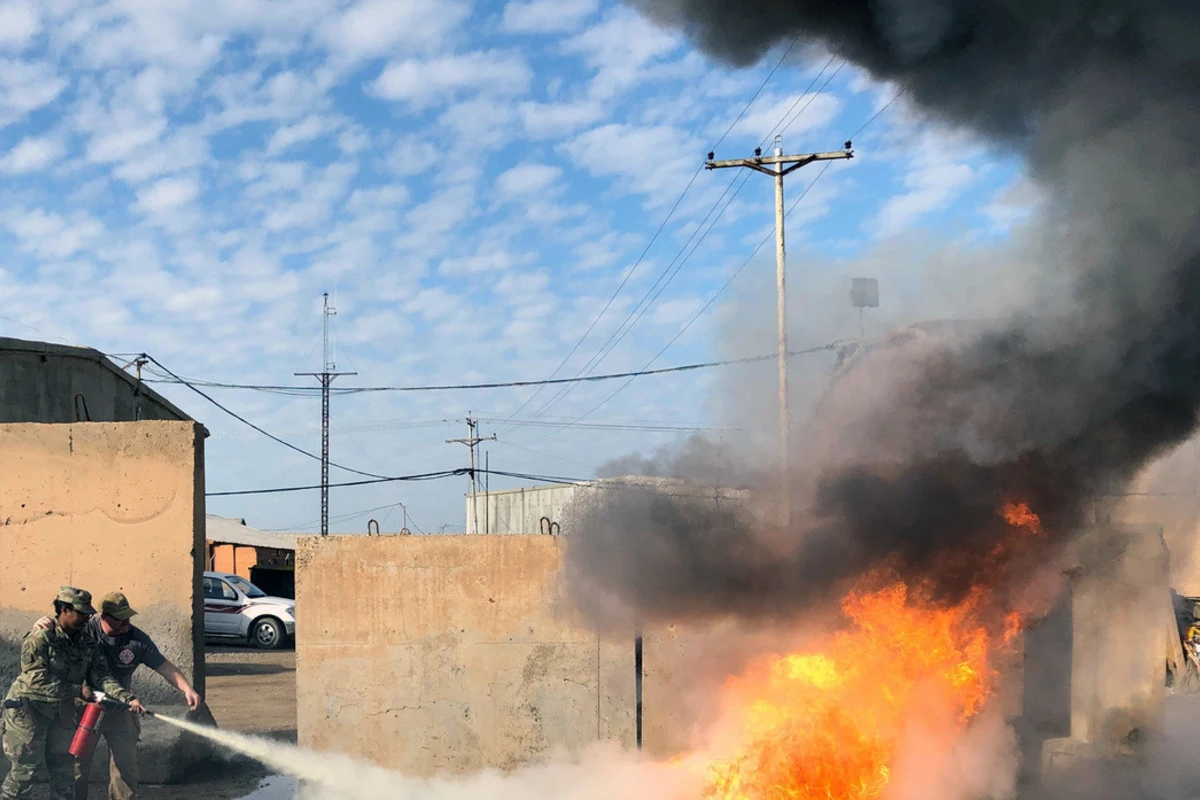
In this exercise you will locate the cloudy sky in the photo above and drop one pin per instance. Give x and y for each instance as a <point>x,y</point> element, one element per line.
<point>474,181</point>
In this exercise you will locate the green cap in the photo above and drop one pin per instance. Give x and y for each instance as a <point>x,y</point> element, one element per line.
<point>78,599</point>
<point>116,605</point>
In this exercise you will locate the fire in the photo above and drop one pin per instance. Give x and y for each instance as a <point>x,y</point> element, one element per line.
<point>1019,515</point>
<point>828,724</point>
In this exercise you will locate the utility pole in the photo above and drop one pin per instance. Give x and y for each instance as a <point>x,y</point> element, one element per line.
<point>326,376</point>
<point>779,166</point>
<point>472,441</point>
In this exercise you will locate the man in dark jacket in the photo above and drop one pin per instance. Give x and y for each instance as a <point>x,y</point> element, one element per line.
<point>39,718</point>
<point>125,648</point>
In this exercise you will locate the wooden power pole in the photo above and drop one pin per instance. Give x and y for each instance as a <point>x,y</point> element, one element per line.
<point>472,441</point>
<point>777,166</point>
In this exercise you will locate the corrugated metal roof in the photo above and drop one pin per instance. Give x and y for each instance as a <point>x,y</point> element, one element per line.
<point>225,530</point>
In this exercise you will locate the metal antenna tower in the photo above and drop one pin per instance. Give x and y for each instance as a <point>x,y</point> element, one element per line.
<point>326,376</point>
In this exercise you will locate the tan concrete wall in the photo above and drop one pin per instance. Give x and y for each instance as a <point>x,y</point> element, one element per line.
<point>105,506</point>
<point>448,654</point>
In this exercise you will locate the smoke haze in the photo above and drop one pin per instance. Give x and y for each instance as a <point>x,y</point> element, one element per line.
<point>917,446</point>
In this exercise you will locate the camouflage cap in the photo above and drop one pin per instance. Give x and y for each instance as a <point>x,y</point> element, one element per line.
<point>116,605</point>
<point>78,599</point>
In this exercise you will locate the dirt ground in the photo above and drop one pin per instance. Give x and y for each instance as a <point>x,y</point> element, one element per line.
<point>249,691</point>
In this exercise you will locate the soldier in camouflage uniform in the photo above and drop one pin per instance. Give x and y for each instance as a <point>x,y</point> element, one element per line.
<point>39,714</point>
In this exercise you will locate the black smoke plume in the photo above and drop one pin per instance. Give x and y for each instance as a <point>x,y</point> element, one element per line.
<point>1101,99</point>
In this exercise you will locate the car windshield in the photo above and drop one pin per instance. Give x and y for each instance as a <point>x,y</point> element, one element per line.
<point>248,588</point>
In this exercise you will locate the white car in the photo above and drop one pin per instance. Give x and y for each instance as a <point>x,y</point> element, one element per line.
<point>236,609</point>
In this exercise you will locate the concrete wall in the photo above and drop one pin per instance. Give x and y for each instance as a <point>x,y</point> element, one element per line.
<point>41,382</point>
<point>105,506</point>
<point>448,654</point>
<point>1115,630</point>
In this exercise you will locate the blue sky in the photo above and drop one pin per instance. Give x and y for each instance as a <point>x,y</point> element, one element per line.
<point>473,180</point>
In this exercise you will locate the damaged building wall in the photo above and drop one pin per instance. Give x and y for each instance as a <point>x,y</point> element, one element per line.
<point>1107,646</point>
<point>105,506</point>
<point>449,654</point>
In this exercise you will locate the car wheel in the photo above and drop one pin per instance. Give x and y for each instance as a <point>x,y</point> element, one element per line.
<point>267,634</point>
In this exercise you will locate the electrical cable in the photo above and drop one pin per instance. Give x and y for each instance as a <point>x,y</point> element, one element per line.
<point>629,274</point>
<point>655,291</point>
<point>247,422</point>
<point>643,306</point>
<point>802,95</point>
<point>903,91</point>
<point>738,271</point>
<point>423,476</point>
<point>455,387</point>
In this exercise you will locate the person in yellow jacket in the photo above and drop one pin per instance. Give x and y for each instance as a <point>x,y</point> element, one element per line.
<point>39,709</point>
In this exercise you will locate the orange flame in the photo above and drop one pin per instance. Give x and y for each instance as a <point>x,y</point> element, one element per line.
<point>826,725</point>
<point>1019,515</point>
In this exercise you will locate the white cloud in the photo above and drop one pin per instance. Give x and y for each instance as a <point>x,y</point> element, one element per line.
<point>480,123</point>
<point>938,168</point>
<point>121,138</point>
<point>804,114</point>
<point>546,16</point>
<point>26,86</point>
<point>353,140</point>
<point>528,179</point>
<point>375,28</point>
<point>314,201</point>
<point>649,160</point>
<point>184,150</point>
<point>32,154</point>
<point>554,120</point>
<point>168,194</point>
<point>930,188</point>
<point>411,156</point>
<point>50,235</point>
<point>421,82</point>
<point>620,49</point>
<point>19,23</point>
<point>304,131</point>
<point>490,258</point>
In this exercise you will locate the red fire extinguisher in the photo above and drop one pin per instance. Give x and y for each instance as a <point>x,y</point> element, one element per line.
<point>89,728</point>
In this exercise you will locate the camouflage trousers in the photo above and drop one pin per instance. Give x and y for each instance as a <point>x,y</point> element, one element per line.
<point>36,734</point>
<point>121,731</point>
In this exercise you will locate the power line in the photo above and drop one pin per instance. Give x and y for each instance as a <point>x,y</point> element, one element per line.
<point>744,264</point>
<point>802,95</point>
<point>621,388</point>
<point>812,98</point>
<point>633,317</point>
<point>423,476</point>
<point>598,483</point>
<point>629,274</point>
<point>673,268</point>
<point>903,91</point>
<point>247,422</point>
<point>452,387</point>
